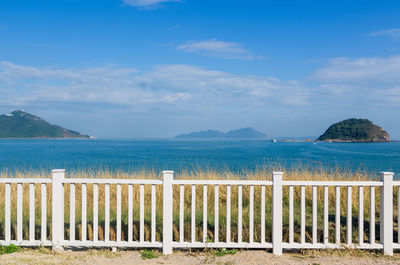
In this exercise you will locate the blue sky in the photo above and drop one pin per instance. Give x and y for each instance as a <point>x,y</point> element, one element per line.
<point>157,68</point>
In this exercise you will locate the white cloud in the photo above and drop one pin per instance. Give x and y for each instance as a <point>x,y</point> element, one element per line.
<point>217,48</point>
<point>182,87</point>
<point>391,94</point>
<point>372,69</point>
<point>337,89</point>
<point>210,86</point>
<point>147,3</point>
<point>364,82</point>
<point>387,32</point>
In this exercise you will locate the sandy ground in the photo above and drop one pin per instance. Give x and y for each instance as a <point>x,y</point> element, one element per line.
<point>103,257</point>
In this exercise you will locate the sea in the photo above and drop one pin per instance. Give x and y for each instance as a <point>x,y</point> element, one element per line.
<point>131,155</point>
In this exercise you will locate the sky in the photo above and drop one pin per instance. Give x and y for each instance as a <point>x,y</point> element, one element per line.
<point>158,68</point>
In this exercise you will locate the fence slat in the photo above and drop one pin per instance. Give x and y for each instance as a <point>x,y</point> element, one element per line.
<point>349,215</point>
<point>239,214</point>
<point>153,213</point>
<point>337,216</point>
<point>326,215</point>
<point>216,214</point>
<point>205,213</point>
<point>57,209</point>
<point>43,216</point>
<point>386,213</point>
<point>228,214</point>
<point>181,212</point>
<point>84,213</point>
<point>398,214</point>
<point>19,212</point>
<point>72,212</point>
<point>291,227</point>
<point>107,213</point>
<point>251,219</point>
<point>360,215</point>
<point>303,215</point>
<point>7,212</point>
<point>262,214</point>
<point>31,212</point>
<point>277,213</point>
<point>167,201</point>
<point>118,212</point>
<point>141,193</point>
<point>193,215</point>
<point>95,212</point>
<point>130,212</point>
<point>372,216</point>
<point>314,215</point>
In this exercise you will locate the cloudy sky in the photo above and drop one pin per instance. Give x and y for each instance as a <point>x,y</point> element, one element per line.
<point>157,68</point>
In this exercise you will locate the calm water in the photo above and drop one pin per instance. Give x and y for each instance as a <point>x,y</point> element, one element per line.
<point>177,155</point>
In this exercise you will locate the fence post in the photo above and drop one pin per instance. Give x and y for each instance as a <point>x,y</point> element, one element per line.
<point>57,208</point>
<point>386,213</point>
<point>167,211</point>
<point>277,213</point>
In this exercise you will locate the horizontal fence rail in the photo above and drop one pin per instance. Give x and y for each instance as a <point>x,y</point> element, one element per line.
<point>173,213</point>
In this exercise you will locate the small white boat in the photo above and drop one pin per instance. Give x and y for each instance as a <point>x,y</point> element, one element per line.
<point>273,140</point>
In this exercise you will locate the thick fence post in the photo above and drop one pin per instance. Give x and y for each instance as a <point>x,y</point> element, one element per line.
<point>167,211</point>
<point>57,209</point>
<point>386,213</point>
<point>277,212</point>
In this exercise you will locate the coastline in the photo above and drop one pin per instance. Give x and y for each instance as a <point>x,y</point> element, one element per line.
<point>45,138</point>
<point>353,141</point>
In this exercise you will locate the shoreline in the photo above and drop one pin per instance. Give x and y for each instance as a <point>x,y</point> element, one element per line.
<point>46,138</point>
<point>354,141</point>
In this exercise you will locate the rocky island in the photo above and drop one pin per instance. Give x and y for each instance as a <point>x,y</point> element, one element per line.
<point>355,130</point>
<point>20,124</point>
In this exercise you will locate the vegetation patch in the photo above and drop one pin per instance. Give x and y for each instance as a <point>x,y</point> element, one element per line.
<point>148,254</point>
<point>8,249</point>
<point>223,252</point>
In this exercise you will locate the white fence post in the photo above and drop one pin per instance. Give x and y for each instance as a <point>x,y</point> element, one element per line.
<point>167,211</point>
<point>386,212</point>
<point>277,212</point>
<point>57,206</point>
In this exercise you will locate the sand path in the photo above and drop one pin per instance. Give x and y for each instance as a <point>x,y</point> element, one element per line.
<point>103,257</point>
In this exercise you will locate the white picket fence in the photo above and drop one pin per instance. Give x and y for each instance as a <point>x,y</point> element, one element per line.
<point>58,240</point>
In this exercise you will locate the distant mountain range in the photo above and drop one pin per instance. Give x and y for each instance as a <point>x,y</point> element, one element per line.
<point>243,133</point>
<point>19,124</point>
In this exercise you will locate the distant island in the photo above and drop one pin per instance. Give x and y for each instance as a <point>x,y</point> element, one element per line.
<point>243,133</point>
<point>19,124</point>
<point>355,130</point>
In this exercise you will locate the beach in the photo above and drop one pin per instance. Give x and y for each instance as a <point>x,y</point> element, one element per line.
<point>105,257</point>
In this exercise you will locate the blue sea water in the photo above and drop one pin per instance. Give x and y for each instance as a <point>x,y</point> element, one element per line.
<point>131,155</point>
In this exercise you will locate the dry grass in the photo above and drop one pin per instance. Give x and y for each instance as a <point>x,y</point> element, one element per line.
<point>299,174</point>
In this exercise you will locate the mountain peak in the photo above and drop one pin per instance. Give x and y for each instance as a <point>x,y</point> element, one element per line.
<point>22,113</point>
<point>20,124</point>
<point>18,112</point>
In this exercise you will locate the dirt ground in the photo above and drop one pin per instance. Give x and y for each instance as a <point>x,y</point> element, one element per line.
<point>103,257</point>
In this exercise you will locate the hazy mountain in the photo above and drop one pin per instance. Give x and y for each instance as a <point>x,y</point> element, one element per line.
<point>244,133</point>
<point>19,124</point>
